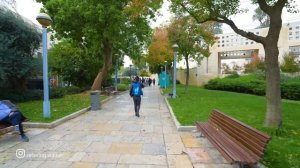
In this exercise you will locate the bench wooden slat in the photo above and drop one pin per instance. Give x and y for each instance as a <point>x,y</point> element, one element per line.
<point>225,145</point>
<point>242,137</point>
<point>236,141</point>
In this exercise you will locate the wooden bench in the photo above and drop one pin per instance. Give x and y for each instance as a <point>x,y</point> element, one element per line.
<point>236,141</point>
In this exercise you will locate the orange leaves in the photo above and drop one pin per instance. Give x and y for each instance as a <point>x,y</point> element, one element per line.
<point>160,49</point>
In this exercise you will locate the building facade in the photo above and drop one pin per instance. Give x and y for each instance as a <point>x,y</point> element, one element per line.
<point>233,50</point>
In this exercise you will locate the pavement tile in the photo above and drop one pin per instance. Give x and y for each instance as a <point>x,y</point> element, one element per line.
<point>77,156</point>
<point>143,159</point>
<point>101,158</point>
<point>125,148</point>
<point>190,142</point>
<point>58,164</point>
<point>198,155</point>
<point>98,147</point>
<point>74,146</point>
<point>174,148</point>
<point>30,164</point>
<point>172,138</point>
<point>107,165</point>
<point>154,149</point>
<point>179,161</point>
<point>83,165</point>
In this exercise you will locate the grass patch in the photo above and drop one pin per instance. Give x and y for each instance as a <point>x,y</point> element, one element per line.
<point>284,148</point>
<point>60,107</point>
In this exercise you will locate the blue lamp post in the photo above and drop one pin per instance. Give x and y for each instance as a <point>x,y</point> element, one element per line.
<point>175,48</point>
<point>165,74</point>
<point>116,76</point>
<point>45,21</point>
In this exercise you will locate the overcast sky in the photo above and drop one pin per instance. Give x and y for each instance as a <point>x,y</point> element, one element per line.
<point>30,9</point>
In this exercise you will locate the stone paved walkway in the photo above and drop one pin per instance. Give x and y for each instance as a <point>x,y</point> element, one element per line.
<point>113,137</point>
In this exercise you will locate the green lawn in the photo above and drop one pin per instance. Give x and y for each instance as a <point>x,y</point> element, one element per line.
<point>284,148</point>
<point>33,110</point>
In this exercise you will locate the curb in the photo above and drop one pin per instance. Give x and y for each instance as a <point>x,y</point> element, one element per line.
<point>56,122</point>
<point>177,124</point>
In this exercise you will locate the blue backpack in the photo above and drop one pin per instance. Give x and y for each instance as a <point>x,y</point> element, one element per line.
<point>136,89</point>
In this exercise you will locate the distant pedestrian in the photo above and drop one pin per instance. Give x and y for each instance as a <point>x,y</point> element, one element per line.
<point>136,92</point>
<point>150,81</point>
<point>153,81</point>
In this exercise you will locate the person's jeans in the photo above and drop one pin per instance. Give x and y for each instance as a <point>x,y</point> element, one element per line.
<point>137,104</point>
<point>15,119</point>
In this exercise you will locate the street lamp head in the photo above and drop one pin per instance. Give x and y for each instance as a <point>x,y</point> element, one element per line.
<point>165,62</point>
<point>44,19</point>
<point>175,47</point>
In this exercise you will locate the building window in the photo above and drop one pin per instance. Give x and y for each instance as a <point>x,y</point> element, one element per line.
<point>297,27</point>
<point>218,41</point>
<point>290,28</point>
<point>218,45</point>
<point>222,45</point>
<point>257,32</point>
<point>246,43</point>
<point>297,37</point>
<point>291,33</point>
<point>297,32</point>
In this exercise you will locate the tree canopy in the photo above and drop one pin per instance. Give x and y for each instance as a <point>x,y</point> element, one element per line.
<point>107,27</point>
<point>19,40</point>
<point>193,40</point>
<point>160,49</point>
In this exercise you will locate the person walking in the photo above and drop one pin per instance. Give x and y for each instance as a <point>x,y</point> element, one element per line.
<point>136,92</point>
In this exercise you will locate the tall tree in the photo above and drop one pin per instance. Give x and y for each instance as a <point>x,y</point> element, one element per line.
<point>192,39</point>
<point>19,39</point>
<point>159,50</point>
<point>69,60</point>
<point>220,11</point>
<point>104,25</point>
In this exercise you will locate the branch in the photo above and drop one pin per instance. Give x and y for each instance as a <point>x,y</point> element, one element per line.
<point>243,33</point>
<point>264,6</point>
<point>224,19</point>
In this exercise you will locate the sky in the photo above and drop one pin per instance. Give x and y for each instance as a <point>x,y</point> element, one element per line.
<point>30,9</point>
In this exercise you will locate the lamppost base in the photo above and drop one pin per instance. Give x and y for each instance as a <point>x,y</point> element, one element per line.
<point>46,109</point>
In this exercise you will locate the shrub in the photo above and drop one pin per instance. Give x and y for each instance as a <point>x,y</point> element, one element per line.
<point>291,89</point>
<point>72,90</point>
<point>29,95</point>
<point>289,64</point>
<point>253,84</point>
<point>123,87</point>
<point>57,93</point>
<point>17,96</point>
<point>125,81</point>
<point>256,63</point>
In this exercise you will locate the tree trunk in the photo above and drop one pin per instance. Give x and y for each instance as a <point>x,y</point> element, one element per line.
<point>186,57</point>
<point>273,92</point>
<point>107,65</point>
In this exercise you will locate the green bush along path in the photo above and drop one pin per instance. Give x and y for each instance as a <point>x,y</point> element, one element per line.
<point>284,148</point>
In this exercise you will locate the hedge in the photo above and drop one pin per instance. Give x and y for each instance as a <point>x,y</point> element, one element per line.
<point>253,84</point>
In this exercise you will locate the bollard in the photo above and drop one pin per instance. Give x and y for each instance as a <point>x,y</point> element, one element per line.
<point>95,100</point>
